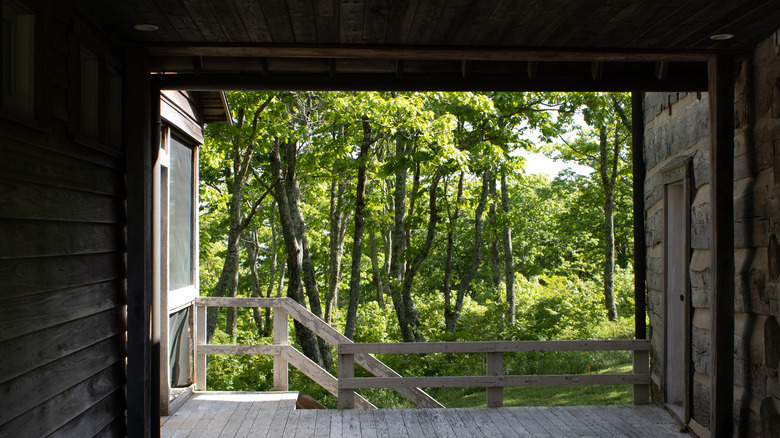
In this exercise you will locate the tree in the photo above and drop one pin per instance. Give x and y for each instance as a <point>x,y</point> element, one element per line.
<point>236,145</point>
<point>604,145</point>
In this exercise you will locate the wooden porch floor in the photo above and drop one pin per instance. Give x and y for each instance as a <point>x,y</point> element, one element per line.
<point>273,414</point>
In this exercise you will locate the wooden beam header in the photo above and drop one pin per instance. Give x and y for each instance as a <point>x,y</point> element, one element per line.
<point>430,52</point>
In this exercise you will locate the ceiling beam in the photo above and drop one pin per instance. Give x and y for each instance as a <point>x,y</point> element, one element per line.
<point>424,82</point>
<point>432,53</point>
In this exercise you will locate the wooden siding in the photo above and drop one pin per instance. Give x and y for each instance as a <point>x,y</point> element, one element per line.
<point>62,330</point>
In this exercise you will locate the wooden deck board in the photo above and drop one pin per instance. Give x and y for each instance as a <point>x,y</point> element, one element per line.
<point>272,414</point>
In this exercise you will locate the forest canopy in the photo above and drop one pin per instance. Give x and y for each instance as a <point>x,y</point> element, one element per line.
<point>407,216</point>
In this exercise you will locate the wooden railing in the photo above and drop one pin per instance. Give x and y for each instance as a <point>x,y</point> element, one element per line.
<point>285,354</point>
<point>494,380</point>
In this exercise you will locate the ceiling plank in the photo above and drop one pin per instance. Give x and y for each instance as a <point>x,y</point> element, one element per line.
<point>304,25</point>
<point>326,15</point>
<point>278,21</point>
<point>451,25</point>
<point>425,20</point>
<point>375,21</point>
<point>204,20</point>
<point>351,21</point>
<point>254,21</point>
<point>180,20</point>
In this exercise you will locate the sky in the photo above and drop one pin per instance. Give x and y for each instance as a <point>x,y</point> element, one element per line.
<point>538,163</point>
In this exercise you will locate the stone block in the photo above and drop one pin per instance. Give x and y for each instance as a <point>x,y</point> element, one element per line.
<point>751,283</point>
<point>700,350</point>
<point>654,189</point>
<point>655,273</point>
<point>701,221</point>
<point>700,406</point>
<point>701,168</point>
<point>654,231</point>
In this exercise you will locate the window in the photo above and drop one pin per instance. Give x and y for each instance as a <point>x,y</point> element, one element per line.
<point>18,58</point>
<point>181,214</point>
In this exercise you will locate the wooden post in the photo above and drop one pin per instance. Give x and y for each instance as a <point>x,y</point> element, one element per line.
<point>721,95</point>
<point>641,366</point>
<point>641,357</point>
<point>495,367</point>
<point>143,402</point>
<point>640,247</point>
<point>281,337</point>
<point>346,370</point>
<point>200,339</point>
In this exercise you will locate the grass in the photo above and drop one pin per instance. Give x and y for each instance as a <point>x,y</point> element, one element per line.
<point>543,395</point>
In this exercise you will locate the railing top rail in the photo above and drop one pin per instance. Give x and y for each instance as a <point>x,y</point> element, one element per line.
<point>494,346</point>
<point>241,301</point>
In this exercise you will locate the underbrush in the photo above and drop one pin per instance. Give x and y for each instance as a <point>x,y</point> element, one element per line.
<point>548,308</point>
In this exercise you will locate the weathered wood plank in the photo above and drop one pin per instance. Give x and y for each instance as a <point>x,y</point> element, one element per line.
<point>40,348</point>
<point>382,427</point>
<point>239,302</point>
<point>262,422</point>
<point>57,203</point>
<point>37,165</point>
<point>396,425</point>
<point>238,349</point>
<point>322,424</point>
<point>470,426</point>
<point>23,315</point>
<point>55,377</point>
<point>493,346</point>
<point>580,414</point>
<point>92,421</point>
<point>411,423</point>
<point>529,422</point>
<point>307,423</point>
<point>492,382</point>
<point>254,21</point>
<point>367,424</point>
<point>292,424</point>
<point>519,428</point>
<point>31,238</point>
<point>24,277</point>
<point>336,424</point>
<point>483,422</point>
<point>437,421</point>
<point>57,411</point>
<point>551,419</point>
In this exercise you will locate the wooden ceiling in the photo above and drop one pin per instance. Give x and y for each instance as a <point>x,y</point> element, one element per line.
<point>466,38</point>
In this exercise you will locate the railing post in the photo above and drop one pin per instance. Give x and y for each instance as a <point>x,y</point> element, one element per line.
<point>641,366</point>
<point>200,339</point>
<point>495,367</point>
<point>281,337</point>
<point>346,370</point>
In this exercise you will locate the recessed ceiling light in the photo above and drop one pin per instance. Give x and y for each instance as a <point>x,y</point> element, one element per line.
<point>146,27</point>
<point>722,36</point>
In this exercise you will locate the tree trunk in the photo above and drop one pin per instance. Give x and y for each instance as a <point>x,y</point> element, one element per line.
<point>608,181</point>
<point>453,220</point>
<point>375,269</point>
<point>294,248</point>
<point>357,240</point>
<point>452,322</point>
<point>414,265</point>
<point>509,260</point>
<point>252,250</point>
<point>495,257</point>
<point>338,222</point>
<point>399,244</point>
<point>309,274</point>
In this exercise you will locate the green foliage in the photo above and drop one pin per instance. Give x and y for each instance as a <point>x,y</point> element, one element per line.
<point>557,225</point>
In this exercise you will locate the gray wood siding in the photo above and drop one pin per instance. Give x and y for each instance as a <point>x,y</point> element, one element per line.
<point>62,265</point>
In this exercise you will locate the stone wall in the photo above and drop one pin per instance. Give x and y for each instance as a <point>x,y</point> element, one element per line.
<point>677,131</point>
